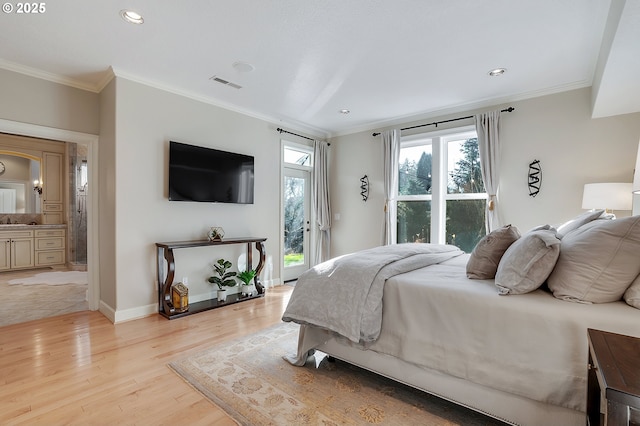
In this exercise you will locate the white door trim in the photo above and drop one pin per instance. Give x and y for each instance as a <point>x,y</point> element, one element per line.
<point>44,132</point>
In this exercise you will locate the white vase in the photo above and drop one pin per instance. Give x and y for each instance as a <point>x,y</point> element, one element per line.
<point>222,295</point>
<point>248,289</point>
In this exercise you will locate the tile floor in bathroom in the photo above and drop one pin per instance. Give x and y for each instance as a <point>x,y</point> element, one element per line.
<point>22,303</point>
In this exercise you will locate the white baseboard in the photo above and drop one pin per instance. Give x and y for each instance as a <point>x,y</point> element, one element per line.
<point>107,311</point>
<point>135,313</point>
<point>272,283</point>
<point>117,316</point>
<point>127,314</point>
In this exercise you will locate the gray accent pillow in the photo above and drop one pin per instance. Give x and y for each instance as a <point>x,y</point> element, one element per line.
<point>528,262</point>
<point>485,257</point>
<point>632,295</point>
<point>577,222</point>
<point>598,261</point>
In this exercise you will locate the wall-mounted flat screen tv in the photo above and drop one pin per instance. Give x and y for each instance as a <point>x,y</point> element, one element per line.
<point>209,175</point>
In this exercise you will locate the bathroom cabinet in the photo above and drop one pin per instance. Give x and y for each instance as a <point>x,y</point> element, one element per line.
<point>29,246</point>
<point>49,247</point>
<point>52,189</point>
<point>16,250</point>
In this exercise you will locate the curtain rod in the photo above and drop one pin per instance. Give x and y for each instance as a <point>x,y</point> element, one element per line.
<point>435,123</point>
<point>295,134</point>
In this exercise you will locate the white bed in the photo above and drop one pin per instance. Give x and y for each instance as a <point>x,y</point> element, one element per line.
<point>519,358</point>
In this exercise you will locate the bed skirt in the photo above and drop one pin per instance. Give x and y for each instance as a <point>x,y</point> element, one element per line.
<point>509,408</point>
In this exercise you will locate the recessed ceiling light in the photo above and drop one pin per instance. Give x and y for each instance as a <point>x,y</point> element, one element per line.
<point>243,66</point>
<point>131,16</point>
<point>344,111</point>
<point>496,72</point>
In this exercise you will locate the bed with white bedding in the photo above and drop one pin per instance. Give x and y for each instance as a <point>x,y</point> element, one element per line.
<point>519,358</point>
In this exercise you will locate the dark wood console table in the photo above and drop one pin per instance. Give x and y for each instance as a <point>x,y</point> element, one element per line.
<point>614,371</point>
<point>165,251</point>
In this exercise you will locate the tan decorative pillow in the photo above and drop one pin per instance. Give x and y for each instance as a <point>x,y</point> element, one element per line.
<point>632,295</point>
<point>485,257</point>
<point>598,261</point>
<point>528,262</point>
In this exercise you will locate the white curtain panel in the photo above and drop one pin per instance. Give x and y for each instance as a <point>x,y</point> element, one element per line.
<point>391,155</point>
<point>321,200</point>
<point>488,129</point>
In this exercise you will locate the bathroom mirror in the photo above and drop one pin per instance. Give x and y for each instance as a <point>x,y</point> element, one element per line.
<point>17,176</point>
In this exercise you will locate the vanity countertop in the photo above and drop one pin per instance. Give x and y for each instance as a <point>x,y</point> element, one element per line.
<point>22,226</point>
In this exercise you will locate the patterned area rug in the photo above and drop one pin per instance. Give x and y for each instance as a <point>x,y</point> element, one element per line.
<point>250,381</point>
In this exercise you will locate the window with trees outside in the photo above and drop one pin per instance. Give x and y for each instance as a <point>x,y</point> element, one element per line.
<point>441,196</point>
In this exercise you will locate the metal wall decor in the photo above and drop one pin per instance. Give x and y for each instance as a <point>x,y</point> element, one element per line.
<point>535,178</point>
<point>364,187</point>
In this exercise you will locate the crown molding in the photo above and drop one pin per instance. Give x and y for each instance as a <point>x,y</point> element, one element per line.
<point>106,79</point>
<point>45,75</point>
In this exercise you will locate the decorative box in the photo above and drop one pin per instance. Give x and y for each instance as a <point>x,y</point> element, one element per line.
<point>180,297</point>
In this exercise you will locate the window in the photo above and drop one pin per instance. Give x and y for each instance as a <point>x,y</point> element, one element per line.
<point>441,195</point>
<point>298,155</point>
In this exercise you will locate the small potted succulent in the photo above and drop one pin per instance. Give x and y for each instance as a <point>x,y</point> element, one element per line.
<point>246,277</point>
<point>223,278</point>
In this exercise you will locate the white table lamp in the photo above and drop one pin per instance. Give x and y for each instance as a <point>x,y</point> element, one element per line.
<point>608,196</point>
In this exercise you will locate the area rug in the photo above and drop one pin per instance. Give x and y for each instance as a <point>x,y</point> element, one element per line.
<point>250,381</point>
<point>53,278</point>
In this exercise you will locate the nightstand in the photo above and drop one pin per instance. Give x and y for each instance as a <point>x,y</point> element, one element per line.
<point>614,370</point>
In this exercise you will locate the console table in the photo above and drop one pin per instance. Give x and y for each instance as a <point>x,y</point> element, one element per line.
<point>614,373</point>
<point>165,251</point>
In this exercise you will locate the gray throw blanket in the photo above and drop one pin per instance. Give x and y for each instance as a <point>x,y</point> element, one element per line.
<point>344,294</point>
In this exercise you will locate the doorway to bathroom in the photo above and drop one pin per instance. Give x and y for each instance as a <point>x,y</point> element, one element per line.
<point>65,288</point>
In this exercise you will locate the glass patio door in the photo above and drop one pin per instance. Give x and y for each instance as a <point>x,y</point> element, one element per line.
<point>296,199</point>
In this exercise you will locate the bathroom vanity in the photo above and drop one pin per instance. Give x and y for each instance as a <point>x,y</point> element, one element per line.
<point>31,246</point>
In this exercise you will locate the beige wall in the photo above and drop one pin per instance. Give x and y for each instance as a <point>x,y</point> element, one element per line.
<point>146,120</point>
<point>573,149</point>
<point>106,199</point>
<point>31,100</point>
<point>556,129</point>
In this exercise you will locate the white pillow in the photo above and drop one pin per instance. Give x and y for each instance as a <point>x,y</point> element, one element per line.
<point>632,295</point>
<point>598,261</point>
<point>528,262</point>
<point>577,222</point>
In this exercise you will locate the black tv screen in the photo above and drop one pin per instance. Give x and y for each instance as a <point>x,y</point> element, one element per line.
<point>209,175</point>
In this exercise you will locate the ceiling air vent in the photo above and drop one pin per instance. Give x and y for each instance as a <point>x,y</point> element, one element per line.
<point>225,82</point>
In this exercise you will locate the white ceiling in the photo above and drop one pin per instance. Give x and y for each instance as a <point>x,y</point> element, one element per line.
<point>386,61</point>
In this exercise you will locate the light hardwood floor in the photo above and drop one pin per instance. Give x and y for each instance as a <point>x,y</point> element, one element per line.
<point>81,369</point>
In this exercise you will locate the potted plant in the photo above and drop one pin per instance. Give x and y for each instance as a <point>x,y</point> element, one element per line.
<point>246,276</point>
<point>223,278</point>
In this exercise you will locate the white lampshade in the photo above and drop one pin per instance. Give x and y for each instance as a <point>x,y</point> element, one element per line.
<point>609,196</point>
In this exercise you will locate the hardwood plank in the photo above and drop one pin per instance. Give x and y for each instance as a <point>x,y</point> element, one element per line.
<point>81,369</point>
